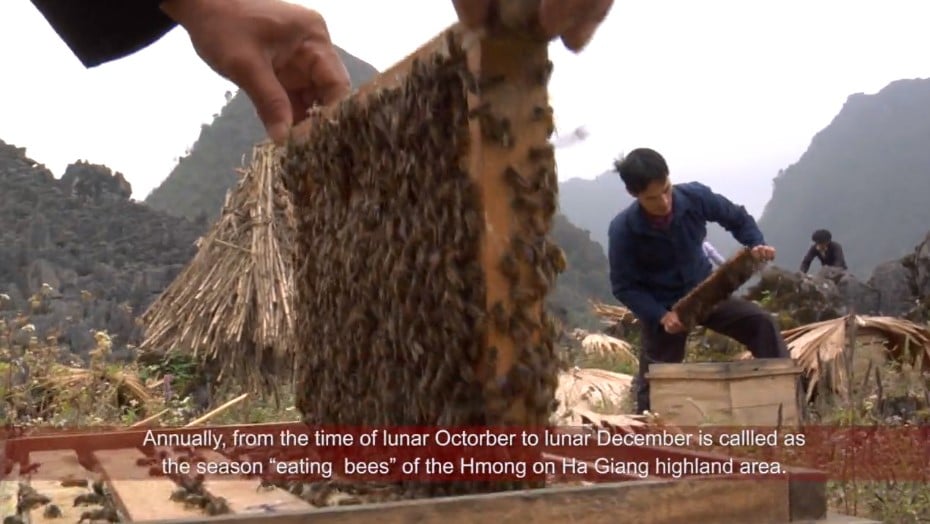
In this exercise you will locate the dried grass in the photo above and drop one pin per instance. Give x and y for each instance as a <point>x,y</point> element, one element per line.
<point>62,384</point>
<point>231,304</point>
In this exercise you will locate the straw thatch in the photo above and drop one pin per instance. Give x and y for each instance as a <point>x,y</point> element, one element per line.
<point>60,385</point>
<point>231,304</point>
<point>693,308</point>
<point>817,347</point>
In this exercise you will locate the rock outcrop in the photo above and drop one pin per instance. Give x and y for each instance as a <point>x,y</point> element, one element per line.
<point>77,255</point>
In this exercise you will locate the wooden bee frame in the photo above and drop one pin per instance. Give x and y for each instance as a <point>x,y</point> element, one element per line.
<point>693,308</point>
<point>511,165</point>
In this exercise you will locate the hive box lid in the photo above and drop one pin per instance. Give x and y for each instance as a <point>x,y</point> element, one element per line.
<point>761,367</point>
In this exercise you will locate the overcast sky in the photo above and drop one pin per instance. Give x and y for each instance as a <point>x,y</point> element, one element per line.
<point>728,90</point>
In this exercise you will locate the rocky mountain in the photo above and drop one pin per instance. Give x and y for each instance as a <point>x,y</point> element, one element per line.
<point>197,186</point>
<point>898,288</point>
<point>863,177</point>
<point>78,255</point>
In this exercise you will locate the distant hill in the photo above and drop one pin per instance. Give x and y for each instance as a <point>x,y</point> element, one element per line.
<point>864,177</point>
<point>197,186</point>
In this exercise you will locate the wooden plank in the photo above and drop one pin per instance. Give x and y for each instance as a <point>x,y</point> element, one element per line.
<point>807,494</point>
<point>243,496</point>
<point>763,367</point>
<point>55,467</point>
<point>140,500</point>
<point>642,502</point>
<point>515,100</point>
<point>9,492</point>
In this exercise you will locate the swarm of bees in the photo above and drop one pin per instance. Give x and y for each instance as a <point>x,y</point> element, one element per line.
<point>29,499</point>
<point>395,323</point>
<point>191,493</point>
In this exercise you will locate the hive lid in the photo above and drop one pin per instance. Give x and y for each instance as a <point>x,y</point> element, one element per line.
<point>724,370</point>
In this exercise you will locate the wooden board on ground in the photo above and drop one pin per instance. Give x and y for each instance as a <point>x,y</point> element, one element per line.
<point>646,502</point>
<point>139,498</point>
<point>54,467</point>
<point>243,496</point>
<point>9,492</point>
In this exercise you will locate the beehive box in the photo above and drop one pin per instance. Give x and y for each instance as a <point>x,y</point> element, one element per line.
<point>757,392</point>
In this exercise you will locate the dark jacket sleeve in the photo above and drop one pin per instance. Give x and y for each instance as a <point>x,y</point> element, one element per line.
<point>99,31</point>
<point>808,258</point>
<point>840,258</point>
<point>623,278</point>
<point>733,218</point>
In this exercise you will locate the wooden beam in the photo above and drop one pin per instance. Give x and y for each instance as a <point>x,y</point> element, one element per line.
<point>652,502</point>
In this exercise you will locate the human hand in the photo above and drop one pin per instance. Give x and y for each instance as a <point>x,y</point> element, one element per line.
<point>671,323</point>
<point>279,53</point>
<point>764,253</point>
<point>573,20</point>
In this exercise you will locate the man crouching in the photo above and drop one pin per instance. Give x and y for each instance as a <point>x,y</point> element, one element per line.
<point>656,257</point>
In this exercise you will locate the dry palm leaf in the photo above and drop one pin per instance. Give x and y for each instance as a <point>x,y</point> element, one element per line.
<point>611,314</point>
<point>591,390</point>
<point>608,346</point>
<point>820,343</point>
<point>231,304</point>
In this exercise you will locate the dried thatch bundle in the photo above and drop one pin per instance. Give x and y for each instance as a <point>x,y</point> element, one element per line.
<point>608,346</point>
<point>611,314</point>
<point>61,384</point>
<point>816,346</point>
<point>231,304</point>
<point>694,307</point>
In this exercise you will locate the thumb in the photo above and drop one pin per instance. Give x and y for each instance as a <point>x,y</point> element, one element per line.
<point>269,97</point>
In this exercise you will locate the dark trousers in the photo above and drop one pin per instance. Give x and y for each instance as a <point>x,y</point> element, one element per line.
<point>736,318</point>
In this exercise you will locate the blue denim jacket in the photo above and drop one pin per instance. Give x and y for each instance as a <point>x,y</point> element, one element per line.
<point>651,268</point>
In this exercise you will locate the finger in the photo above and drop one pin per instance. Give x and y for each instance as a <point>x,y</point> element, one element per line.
<point>576,18</point>
<point>472,13</point>
<point>257,78</point>
<point>577,38</point>
<point>316,71</point>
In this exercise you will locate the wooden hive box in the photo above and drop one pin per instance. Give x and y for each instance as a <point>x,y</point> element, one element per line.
<point>757,392</point>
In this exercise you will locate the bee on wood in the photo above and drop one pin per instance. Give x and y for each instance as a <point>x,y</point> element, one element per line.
<point>52,511</point>
<point>30,501</point>
<point>87,499</point>
<point>74,483</point>
<point>217,506</point>
<point>108,514</point>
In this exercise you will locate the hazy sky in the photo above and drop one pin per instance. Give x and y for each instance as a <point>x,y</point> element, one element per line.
<point>729,91</point>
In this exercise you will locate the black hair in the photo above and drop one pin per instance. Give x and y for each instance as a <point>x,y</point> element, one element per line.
<point>821,236</point>
<point>640,169</point>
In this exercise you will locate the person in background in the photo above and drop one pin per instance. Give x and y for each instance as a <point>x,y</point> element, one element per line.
<point>279,53</point>
<point>712,254</point>
<point>824,249</point>
<point>655,257</point>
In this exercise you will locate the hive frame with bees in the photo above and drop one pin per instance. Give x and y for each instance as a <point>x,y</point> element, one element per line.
<point>693,308</point>
<point>424,203</point>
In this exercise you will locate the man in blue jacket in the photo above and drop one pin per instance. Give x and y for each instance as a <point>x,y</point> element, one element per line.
<point>656,257</point>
